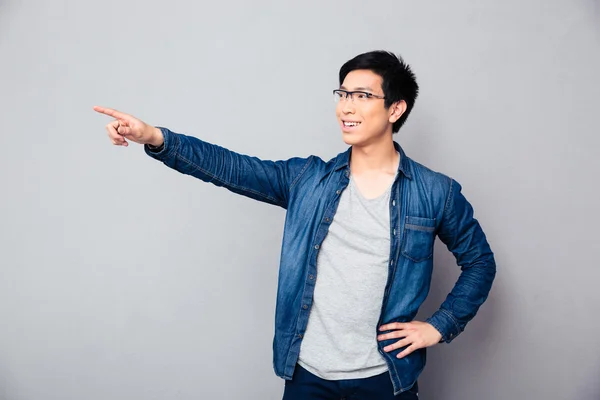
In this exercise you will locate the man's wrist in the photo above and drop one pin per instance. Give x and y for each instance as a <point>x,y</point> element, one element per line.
<point>158,140</point>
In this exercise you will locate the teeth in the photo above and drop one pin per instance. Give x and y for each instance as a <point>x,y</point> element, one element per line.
<point>351,123</point>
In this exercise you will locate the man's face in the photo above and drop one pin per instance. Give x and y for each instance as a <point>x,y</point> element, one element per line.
<point>364,121</point>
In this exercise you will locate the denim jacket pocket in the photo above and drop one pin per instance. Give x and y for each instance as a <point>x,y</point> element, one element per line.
<point>419,236</point>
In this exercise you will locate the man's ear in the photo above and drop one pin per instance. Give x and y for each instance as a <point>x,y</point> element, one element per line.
<point>396,110</point>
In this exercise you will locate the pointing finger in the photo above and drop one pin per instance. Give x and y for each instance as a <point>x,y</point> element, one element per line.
<point>111,112</point>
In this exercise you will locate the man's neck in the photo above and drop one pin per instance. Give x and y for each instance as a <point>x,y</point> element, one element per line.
<point>375,157</point>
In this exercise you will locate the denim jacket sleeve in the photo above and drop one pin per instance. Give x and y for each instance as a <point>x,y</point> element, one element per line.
<point>263,180</point>
<point>463,236</point>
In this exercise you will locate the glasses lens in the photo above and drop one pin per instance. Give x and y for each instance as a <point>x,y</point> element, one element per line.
<point>339,95</point>
<point>361,96</point>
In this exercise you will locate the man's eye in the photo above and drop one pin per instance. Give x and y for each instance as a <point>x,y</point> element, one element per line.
<point>361,95</point>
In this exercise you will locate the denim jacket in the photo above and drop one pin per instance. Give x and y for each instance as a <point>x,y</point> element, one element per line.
<point>423,204</point>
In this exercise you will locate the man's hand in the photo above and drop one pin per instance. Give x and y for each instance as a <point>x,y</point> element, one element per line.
<point>415,335</point>
<point>127,126</point>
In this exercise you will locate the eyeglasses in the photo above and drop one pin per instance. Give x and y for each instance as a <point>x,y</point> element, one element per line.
<point>359,96</point>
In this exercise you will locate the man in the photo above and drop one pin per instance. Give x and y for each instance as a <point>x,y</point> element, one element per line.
<point>357,252</point>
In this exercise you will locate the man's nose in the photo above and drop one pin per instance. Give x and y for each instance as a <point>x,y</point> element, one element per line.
<point>348,106</point>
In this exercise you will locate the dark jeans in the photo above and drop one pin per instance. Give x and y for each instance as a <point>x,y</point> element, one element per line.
<point>306,386</point>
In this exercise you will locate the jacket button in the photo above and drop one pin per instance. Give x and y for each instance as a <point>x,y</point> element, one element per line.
<point>338,191</point>
<point>394,203</point>
<point>311,277</point>
<point>305,306</point>
<point>300,335</point>
<point>317,246</point>
<point>327,219</point>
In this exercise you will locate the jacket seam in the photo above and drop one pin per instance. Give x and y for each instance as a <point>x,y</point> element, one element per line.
<point>448,198</point>
<point>394,366</point>
<point>397,255</point>
<point>297,178</point>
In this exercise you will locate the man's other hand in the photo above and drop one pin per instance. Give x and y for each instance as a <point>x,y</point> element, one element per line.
<point>415,335</point>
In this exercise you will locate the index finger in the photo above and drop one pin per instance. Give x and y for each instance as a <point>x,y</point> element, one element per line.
<point>111,112</point>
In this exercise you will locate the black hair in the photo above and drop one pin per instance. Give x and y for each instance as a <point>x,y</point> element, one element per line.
<point>398,81</point>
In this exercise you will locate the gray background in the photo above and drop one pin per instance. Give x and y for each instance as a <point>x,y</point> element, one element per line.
<point>122,279</point>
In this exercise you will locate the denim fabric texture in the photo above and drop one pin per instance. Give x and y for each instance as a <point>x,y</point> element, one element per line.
<point>423,204</point>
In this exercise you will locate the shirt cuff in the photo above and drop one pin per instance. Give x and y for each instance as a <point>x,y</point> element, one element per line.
<point>165,148</point>
<point>156,149</point>
<point>445,323</point>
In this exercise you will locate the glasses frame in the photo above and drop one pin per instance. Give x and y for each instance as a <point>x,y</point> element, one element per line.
<point>348,93</point>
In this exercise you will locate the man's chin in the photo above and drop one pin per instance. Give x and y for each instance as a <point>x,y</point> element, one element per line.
<point>351,138</point>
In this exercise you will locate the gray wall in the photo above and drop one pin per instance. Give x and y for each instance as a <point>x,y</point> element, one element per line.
<point>122,279</point>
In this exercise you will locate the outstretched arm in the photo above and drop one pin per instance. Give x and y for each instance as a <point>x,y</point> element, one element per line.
<point>263,180</point>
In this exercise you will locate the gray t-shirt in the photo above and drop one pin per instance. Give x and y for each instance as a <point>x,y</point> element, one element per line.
<point>340,341</point>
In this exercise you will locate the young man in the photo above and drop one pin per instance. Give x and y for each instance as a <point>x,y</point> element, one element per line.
<point>357,252</point>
